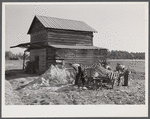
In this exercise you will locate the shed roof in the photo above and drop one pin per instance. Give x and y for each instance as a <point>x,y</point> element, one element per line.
<point>76,47</point>
<point>43,44</point>
<point>31,45</point>
<point>66,24</point>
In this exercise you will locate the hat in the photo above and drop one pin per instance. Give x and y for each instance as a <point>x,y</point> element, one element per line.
<point>107,66</point>
<point>70,63</point>
<point>123,66</point>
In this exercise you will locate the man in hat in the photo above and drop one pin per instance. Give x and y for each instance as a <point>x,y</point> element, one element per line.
<point>120,68</point>
<point>108,67</point>
<point>79,75</point>
<point>104,64</point>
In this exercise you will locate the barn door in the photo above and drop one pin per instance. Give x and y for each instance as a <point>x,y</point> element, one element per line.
<point>36,63</point>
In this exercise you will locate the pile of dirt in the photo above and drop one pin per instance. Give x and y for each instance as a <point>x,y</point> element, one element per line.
<point>11,97</point>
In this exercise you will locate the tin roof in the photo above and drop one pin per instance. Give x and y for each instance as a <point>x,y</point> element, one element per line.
<point>66,24</point>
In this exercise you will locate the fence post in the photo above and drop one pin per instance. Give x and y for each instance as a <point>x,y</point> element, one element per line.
<point>23,59</point>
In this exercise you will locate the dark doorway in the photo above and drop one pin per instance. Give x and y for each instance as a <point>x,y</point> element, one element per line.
<point>36,66</point>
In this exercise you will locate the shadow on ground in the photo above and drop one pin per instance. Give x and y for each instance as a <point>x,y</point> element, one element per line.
<point>17,73</point>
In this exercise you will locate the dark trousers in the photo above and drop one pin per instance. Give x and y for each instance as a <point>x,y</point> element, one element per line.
<point>126,75</point>
<point>119,80</point>
<point>79,76</point>
<point>126,81</point>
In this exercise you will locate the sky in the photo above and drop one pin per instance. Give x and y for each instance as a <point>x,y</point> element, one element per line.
<point>120,26</point>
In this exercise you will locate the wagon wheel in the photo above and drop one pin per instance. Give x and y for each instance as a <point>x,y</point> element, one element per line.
<point>101,83</point>
<point>113,82</point>
<point>89,82</point>
<point>93,84</point>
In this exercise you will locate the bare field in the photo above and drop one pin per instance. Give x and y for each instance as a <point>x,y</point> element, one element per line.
<point>13,64</point>
<point>69,94</point>
<point>133,65</point>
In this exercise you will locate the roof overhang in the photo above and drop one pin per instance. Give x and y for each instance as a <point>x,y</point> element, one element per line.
<point>23,45</point>
<point>30,45</point>
<point>76,47</point>
<point>39,45</point>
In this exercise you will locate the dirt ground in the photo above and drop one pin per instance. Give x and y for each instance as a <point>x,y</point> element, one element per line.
<point>69,94</point>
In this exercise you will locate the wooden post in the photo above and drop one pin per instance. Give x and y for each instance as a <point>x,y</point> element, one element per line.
<point>23,59</point>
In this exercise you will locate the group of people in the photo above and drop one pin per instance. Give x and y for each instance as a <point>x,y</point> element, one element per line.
<point>120,68</point>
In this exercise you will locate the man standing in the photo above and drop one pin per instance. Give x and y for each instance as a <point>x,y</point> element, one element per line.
<point>120,69</point>
<point>126,75</point>
<point>79,75</point>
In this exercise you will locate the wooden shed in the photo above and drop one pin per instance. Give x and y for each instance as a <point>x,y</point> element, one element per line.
<point>61,41</point>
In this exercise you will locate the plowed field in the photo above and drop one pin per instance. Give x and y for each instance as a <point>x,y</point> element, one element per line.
<point>69,94</point>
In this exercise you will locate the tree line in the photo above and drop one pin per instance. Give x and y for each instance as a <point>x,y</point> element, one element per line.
<point>114,54</point>
<point>11,56</point>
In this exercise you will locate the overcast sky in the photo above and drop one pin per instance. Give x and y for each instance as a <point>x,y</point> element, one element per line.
<point>120,26</point>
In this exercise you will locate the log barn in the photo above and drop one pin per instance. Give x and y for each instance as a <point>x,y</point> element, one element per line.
<point>61,41</point>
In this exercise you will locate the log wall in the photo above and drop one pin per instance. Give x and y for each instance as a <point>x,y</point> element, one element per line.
<point>39,36</point>
<point>50,57</point>
<point>36,26</point>
<point>62,37</point>
<point>85,57</point>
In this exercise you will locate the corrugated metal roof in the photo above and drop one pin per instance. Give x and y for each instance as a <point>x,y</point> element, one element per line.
<point>76,47</point>
<point>58,23</point>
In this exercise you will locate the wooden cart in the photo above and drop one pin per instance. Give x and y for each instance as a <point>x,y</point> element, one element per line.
<point>97,82</point>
